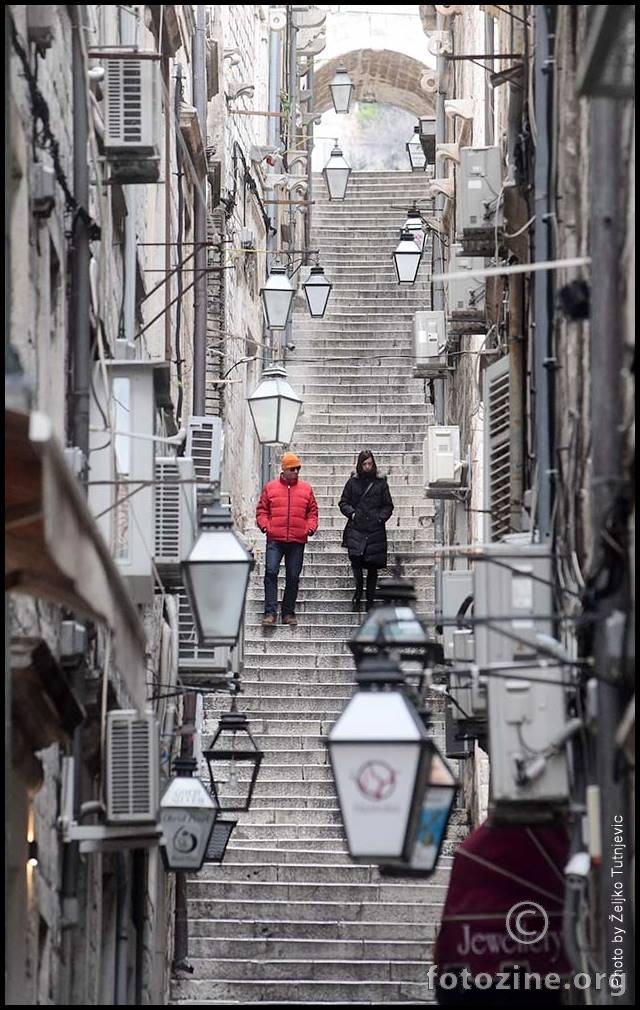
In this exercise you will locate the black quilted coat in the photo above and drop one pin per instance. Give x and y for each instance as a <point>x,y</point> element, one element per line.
<point>367,515</point>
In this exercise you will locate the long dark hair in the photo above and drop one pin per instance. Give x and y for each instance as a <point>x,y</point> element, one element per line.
<point>366,454</point>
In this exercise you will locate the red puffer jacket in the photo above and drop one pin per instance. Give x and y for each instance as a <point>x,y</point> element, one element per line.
<point>287,512</point>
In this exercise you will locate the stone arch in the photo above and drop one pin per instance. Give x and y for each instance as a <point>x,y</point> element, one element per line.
<point>381,75</point>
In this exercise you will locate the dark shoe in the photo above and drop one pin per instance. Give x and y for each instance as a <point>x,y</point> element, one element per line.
<point>369,605</point>
<point>268,620</point>
<point>290,620</point>
<point>356,602</point>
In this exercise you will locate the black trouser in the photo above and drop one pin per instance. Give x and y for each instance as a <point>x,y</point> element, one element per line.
<point>359,566</point>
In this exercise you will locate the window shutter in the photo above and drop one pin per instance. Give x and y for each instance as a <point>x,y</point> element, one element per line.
<point>497,449</point>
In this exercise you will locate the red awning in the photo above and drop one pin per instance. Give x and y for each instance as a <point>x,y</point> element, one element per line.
<point>54,549</point>
<point>496,869</point>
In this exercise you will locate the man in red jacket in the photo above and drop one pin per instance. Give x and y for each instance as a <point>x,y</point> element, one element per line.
<point>288,513</point>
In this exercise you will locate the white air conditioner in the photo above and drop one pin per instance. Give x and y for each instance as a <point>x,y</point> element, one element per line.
<point>132,769</point>
<point>121,459</point>
<point>466,294</point>
<point>442,466</point>
<point>198,663</point>
<point>176,519</point>
<point>132,123</point>
<point>430,343</point>
<point>131,90</point>
<point>456,588</point>
<point>480,187</point>
<point>204,446</point>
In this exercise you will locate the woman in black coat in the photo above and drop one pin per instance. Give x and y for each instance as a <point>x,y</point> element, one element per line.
<point>367,504</point>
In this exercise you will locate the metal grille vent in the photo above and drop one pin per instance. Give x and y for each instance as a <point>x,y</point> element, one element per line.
<point>204,446</point>
<point>132,767</point>
<point>175,510</point>
<point>191,656</point>
<point>130,106</point>
<point>498,448</point>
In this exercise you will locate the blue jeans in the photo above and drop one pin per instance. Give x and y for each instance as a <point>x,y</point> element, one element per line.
<point>293,555</point>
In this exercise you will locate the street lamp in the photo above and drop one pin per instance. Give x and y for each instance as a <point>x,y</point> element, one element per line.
<point>407,258</point>
<point>222,831</point>
<point>414,225</point>
<point>187,816</point>
<point>233,759</point>
<point>336,174</point>
<point>341,88</point>
<point>417,157</point>
<point>317,288</point>
<point>396,627</point>
<point>381,757</point>
<point>277,298</point>
<point>274,407</point>
<point>216,578</point>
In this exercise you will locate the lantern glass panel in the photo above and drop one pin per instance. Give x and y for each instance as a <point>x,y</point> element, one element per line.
<point>407,259</point>
<point>274,408</point>
<point>417,157</point>
<point>277,298</point>
<point>341,88</point>
<point>434,815</point>
<point>217,576</point>
<point>222,831</point>
<point>336,175</point>
<point>317,290</point>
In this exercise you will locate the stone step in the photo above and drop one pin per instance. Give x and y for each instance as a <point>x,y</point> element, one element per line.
<point>315,893</point>
<point>310,950</point>
<point>288,930</point>
<point>309,873</point>
<point>241,992</point>
<point>323,911</point>
<point>305,970</point>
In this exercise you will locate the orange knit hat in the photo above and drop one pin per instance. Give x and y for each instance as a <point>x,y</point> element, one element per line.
<point>290,459</point>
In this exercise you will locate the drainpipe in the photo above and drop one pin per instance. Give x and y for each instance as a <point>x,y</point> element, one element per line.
<point>606,335</point>
<point>122,931</point>
<point>542,279</point>
<point>310,130</point>
<point>181,928</point>
<point>200,224</point>
<point>273,135</point>
<point>489,44</point>
<point>292,131</point>
<point>80,253</point>
<point>438,259</point>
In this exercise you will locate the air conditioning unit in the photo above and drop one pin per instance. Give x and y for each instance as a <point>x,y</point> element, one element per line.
<point>456,588</point>
<point>204,446</point>
<point>479,208</point>
<point>202,666</point>
<point>118,460</point>
<point>176,519</point>
<point>132,768</point>
<point>466,295</point>
<point>468,688</point>
<point>430,344</point>
<point>442,466</point>
<point>529,774</point>
<point>132,103</point>
<point>512,581</point>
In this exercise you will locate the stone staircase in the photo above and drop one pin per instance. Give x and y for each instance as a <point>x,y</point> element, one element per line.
<point>288,918</point>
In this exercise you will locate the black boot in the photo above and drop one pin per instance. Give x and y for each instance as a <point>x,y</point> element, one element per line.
<point>356,599</point>
<point>372,579</point>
